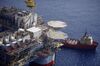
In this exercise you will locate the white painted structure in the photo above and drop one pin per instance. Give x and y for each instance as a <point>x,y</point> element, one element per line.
<point>36,31</point>
<point>56,34</point>
<point>57,24</point>
<point>24,19</point>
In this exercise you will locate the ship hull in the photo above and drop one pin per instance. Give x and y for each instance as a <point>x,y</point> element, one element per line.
<point>81,46</point>
<point>44,61</point>
<point>78,45</point>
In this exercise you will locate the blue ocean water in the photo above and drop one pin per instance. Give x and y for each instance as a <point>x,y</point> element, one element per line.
<point>80,15</point>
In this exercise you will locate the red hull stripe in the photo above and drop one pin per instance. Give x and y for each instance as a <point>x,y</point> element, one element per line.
<point>35,64</point>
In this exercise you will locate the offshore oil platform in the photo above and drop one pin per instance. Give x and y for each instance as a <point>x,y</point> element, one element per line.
<point>25,40</point>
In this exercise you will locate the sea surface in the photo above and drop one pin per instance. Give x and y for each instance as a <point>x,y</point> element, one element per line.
<point>80,15</point>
